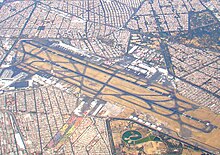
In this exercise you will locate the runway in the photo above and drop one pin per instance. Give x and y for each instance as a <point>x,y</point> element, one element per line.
<point>109,84</point>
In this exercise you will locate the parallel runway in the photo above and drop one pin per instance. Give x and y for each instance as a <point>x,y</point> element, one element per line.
<point>109,84</point>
